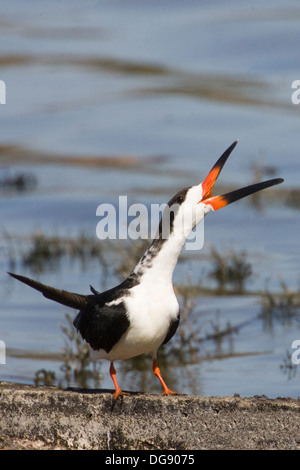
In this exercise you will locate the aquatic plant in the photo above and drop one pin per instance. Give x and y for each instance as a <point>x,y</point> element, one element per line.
<point>282,306</point>
<point>230,271</point>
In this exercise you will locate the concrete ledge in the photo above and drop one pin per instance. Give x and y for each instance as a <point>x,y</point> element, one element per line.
<point>48,418</point>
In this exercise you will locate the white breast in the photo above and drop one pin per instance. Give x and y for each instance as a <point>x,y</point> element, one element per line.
<point>150,312</point>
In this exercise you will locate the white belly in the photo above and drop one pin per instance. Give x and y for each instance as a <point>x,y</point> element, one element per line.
<point>149,324</point>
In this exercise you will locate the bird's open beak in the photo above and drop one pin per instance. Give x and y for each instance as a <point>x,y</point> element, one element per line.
<point>217,202</point>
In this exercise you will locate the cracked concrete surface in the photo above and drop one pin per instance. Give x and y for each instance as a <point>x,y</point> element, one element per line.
<point>49,418</point>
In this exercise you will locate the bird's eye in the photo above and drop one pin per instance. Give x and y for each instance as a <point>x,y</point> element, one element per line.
<point>180,199</point>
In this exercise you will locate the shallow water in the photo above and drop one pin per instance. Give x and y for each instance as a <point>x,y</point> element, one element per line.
<point>166,87</point>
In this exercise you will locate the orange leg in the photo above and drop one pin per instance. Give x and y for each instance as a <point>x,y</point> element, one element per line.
<point>156,371</point>
<point>118,391</point>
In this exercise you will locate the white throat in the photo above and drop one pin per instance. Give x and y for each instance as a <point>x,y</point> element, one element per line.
<point>159,261</point>
<point>178,220</point>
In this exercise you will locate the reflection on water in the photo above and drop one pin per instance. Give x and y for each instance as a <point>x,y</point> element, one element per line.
<point>112,99</point>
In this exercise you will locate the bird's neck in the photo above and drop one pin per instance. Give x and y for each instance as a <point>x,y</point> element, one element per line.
<point>159,261</point>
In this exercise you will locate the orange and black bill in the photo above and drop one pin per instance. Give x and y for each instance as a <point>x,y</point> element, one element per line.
<point>208,183</point>
<point>217,202</point>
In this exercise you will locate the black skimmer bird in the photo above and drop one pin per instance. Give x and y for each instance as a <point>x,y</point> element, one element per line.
<point>142,313</point>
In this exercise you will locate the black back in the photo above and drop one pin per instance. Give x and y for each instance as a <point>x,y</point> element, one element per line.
<point>100,325</point>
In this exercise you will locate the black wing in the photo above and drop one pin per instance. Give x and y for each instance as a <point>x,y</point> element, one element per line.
<point>102,326</point>
<point>172,329</point>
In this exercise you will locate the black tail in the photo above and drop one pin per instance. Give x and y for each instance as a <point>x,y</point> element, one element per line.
<point>64,297</point>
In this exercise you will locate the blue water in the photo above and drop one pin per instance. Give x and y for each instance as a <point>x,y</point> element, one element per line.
<point>176,81</point>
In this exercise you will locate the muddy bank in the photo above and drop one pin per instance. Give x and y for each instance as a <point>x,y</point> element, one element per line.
<point>48,418</point>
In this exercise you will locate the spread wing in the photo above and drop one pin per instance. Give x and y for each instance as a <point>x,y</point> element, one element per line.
<point>98,322</point>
